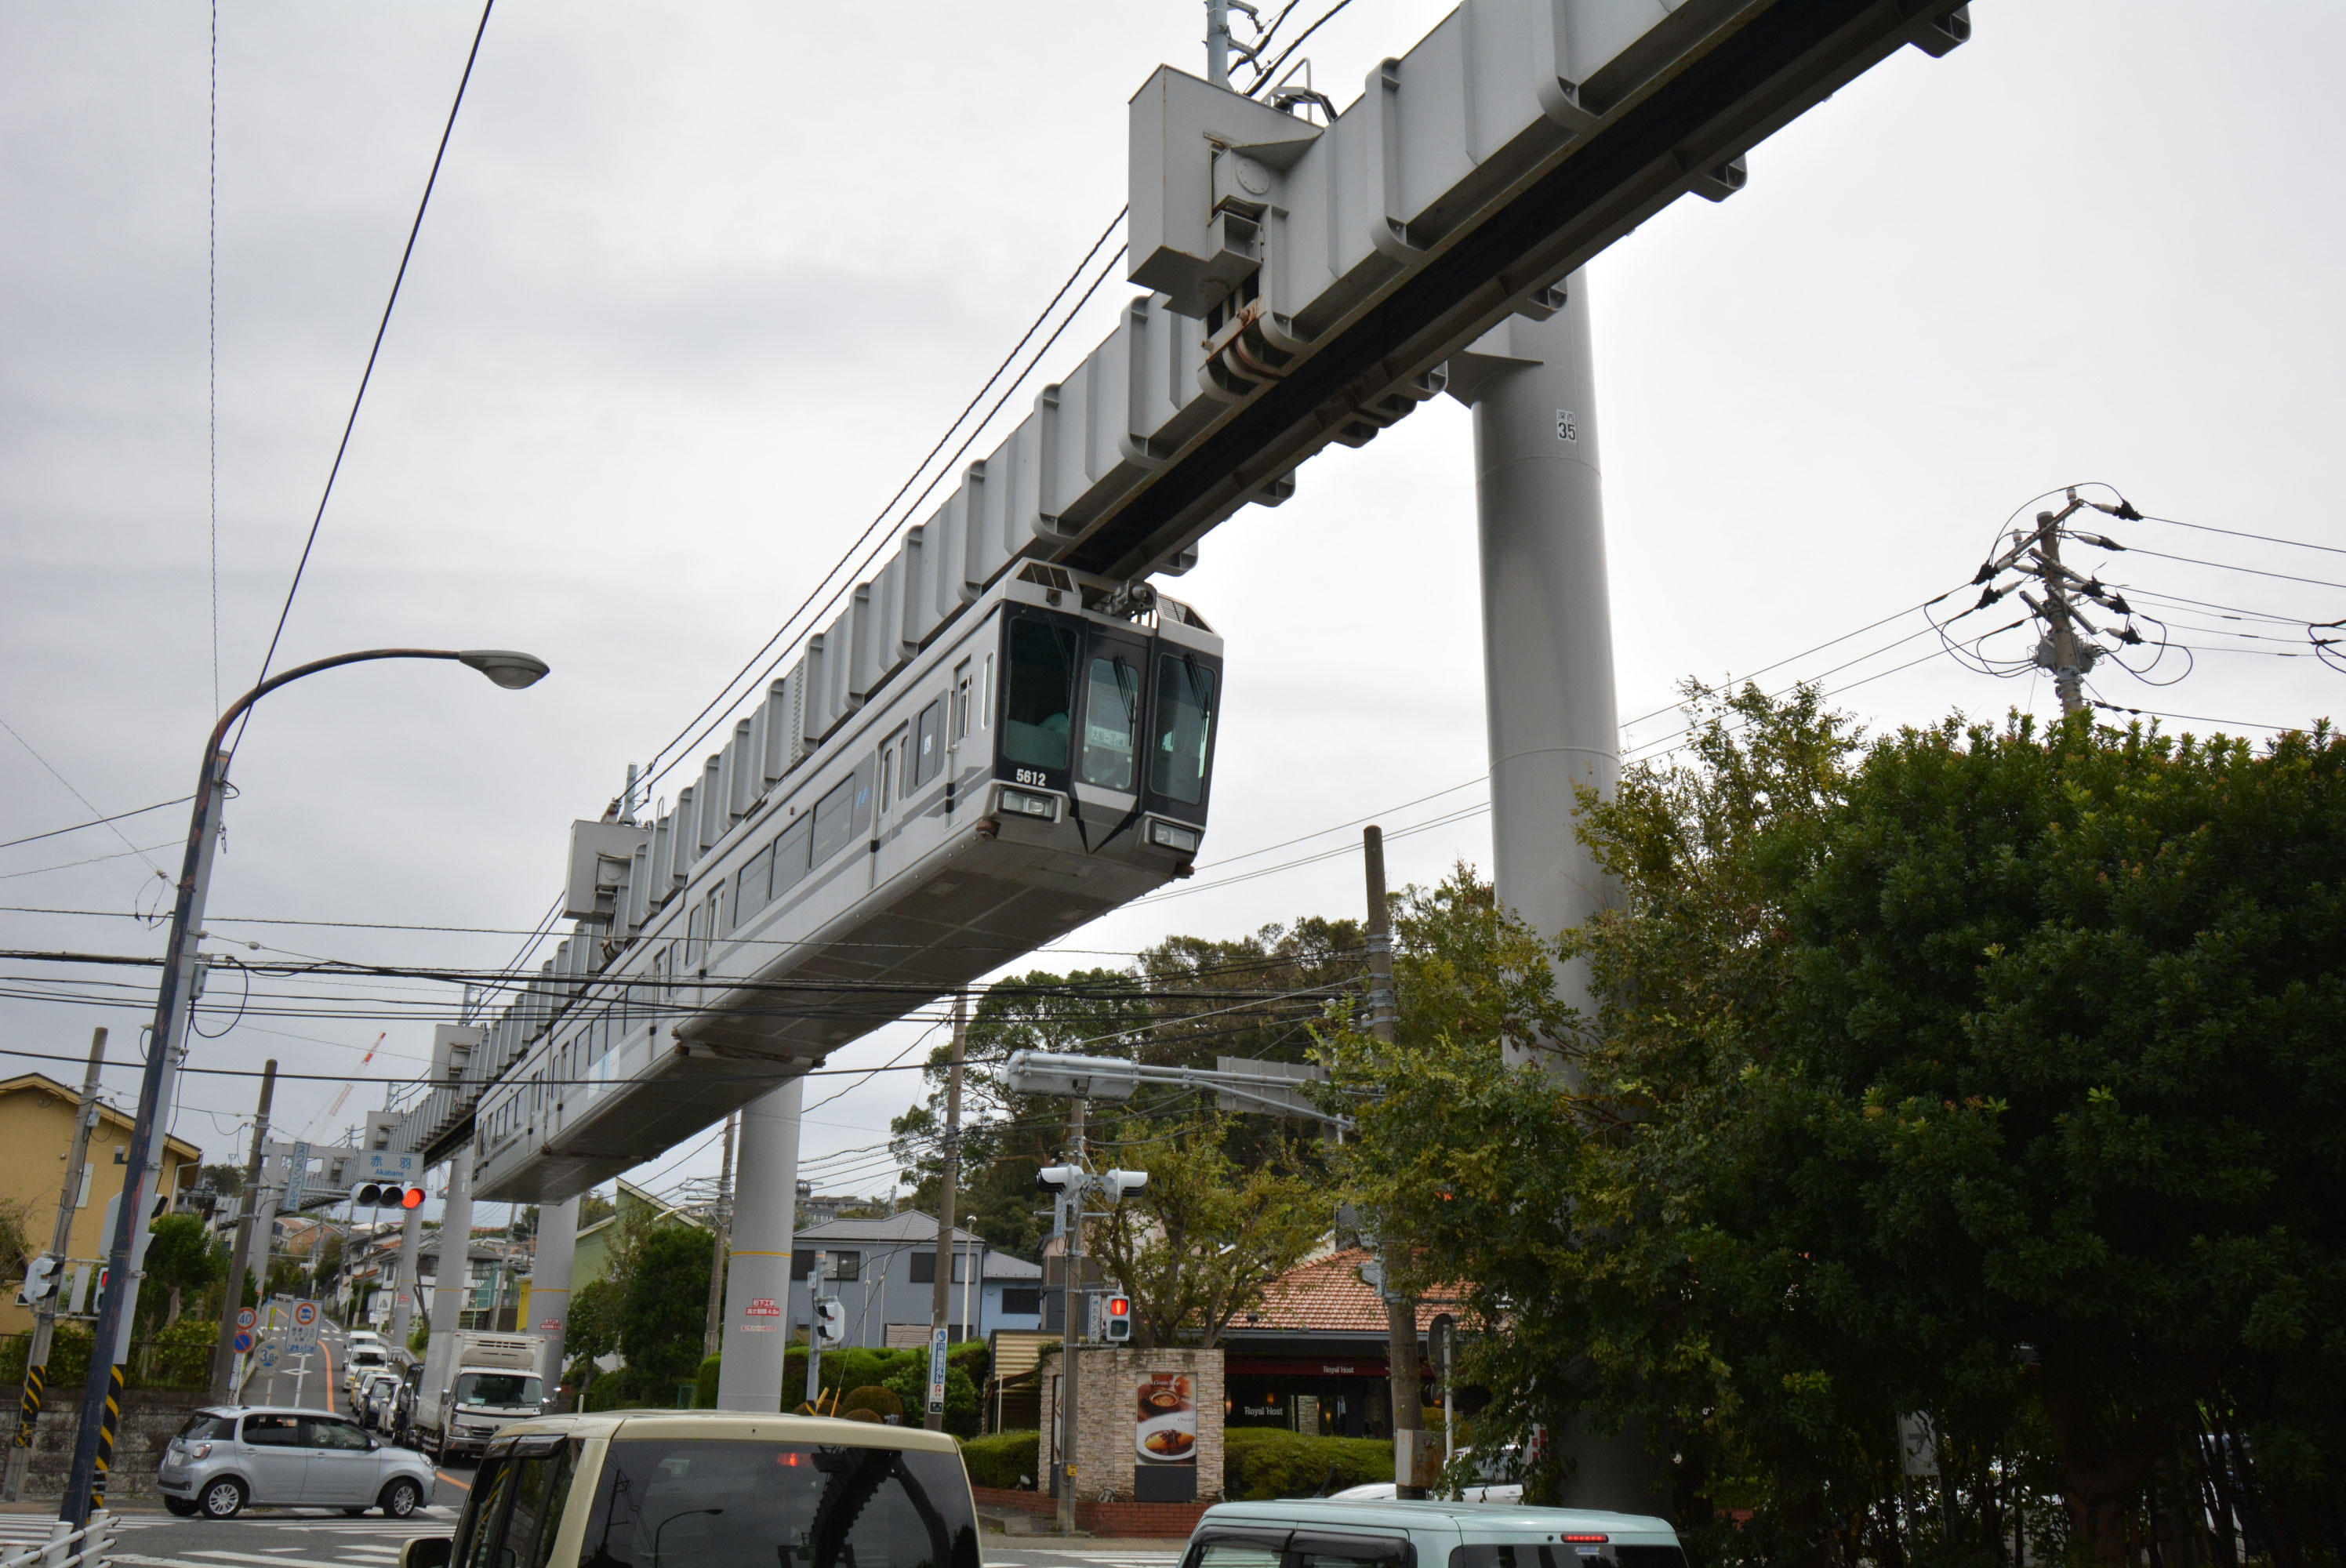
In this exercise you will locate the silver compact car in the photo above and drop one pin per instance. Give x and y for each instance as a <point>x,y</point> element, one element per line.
<point>228,1456</point>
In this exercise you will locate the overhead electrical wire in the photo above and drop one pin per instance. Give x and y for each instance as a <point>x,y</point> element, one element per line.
<point>96,822</point>
<point>101,819</point>
<point>367,375</point>
<point>654,768</point>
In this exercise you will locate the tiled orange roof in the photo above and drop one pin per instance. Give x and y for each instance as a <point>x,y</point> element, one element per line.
<point>1326,1295</point>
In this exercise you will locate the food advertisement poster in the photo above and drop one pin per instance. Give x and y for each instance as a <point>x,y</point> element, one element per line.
<point>1168,1409</point>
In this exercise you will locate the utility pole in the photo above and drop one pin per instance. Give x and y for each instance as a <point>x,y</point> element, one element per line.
<point>940,1301</point>
<point>1401,1311</point>
<point>45,1310</point>
<point>1219,46</point>
<point>1072,1334</point>
<point>223,1358</point>
<point>712,1334</point>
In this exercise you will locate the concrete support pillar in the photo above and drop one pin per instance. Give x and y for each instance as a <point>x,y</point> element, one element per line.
<point>757,1330</point>
<point>1547,660</point>
<point>549,1281</point>
<point>406,1294</point>
<point>1547,619</point>
<point>452,1277</point>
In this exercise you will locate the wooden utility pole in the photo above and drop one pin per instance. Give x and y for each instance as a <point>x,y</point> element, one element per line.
<point>224,1353</point>
<point>1401,1311</point>
<point>1072,1259</point>
<point>947,1178</point>
<point>712,1334</point>
<point>45,1310</point>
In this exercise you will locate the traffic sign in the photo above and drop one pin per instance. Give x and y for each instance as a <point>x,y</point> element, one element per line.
<point>268,1356</point>
<point>245,1318</point>
<point>242,1343</point>
<point>305,1314</point>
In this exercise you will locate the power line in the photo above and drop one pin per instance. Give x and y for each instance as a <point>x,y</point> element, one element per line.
<point>94,859</point>
<point>2228,566</point>
<point>96,822</point>
<point>211,363</point>
<point>2236,534</point>
<point>367,375</point>
<point>85,802</point>
<point>723,696</point>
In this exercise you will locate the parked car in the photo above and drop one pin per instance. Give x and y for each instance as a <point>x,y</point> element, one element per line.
<point>373,1404</point>
<point>361,1363</point>
<point>1495,1478</point>
<point>1371,1535</point>
<point>229,1457</point>
<point>702,1487</point>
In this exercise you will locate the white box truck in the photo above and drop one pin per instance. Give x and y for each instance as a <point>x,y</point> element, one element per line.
<point>473,1386</point>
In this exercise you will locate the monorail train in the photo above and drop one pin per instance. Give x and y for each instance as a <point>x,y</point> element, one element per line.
<point>1045,759</point>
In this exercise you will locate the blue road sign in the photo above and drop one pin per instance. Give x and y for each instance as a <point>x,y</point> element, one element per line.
<point>242,1343</point>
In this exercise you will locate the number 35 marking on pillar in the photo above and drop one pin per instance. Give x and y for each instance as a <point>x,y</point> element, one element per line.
<point>1567,427</point>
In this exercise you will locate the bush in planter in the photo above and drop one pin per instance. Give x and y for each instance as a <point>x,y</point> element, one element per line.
<point>1263,1462</point>
<point>1009,1459</point>
<point>880,1401</point>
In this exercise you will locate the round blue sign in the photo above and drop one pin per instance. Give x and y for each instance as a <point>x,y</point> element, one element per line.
<point>243,1342</point>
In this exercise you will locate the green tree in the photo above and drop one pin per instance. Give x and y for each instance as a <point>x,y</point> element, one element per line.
<point>666,1305</point>
<point>1195,1246</point>
<point>329,1261</point>
<point>1986,1073</point>
<point>181,1261</point>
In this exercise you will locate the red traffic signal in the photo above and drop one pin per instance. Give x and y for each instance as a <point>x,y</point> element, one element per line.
<point>412,1198</point>
<point>1119,1319</point>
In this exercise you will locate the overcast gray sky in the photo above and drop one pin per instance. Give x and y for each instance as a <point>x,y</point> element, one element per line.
<point>700,283</point>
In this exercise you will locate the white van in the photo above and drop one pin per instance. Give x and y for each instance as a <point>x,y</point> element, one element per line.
<point>1314,1532</point>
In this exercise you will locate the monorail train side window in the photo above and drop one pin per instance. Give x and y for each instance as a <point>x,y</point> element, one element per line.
<point>696,936</point>
<point>1111,717</point>
<point>1037,716</point>
<point>791,856</point>
<point>930,743</point>
<point>751,887</point>
<point>834,819</point>
<point>1185,729</point>
<point>961,700</point>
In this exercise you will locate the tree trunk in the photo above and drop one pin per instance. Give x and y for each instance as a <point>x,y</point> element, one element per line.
<point>2099,1472</point>
<point>173,1316</point>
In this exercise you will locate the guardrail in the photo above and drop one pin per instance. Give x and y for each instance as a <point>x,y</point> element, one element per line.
<point>68,1547</point>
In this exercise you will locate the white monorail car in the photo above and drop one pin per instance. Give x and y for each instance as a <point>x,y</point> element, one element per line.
<point>1044,759</point>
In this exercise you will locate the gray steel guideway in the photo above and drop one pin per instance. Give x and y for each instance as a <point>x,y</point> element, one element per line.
<point>1547,654</point>
<point>1547,619</point>
<point>757,1332</point>
<point>549,1284</point>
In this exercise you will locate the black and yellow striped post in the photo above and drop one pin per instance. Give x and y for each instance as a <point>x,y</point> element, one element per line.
<point>106,1431</point>
<point>36,1378</point>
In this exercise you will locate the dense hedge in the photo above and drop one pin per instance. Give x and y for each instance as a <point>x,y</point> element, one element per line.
<point>1263,1462</point>
<point>1007,1459</point>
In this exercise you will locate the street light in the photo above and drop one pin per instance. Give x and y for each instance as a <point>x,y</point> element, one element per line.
<point>102,1397</point>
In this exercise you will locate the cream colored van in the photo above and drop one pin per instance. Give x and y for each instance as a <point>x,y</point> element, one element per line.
<point>710,1488</point>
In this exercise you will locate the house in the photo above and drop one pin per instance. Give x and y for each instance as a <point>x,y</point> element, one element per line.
<point>883,1272</point>
<point>36,1130</point>
<point>1312,1357</point>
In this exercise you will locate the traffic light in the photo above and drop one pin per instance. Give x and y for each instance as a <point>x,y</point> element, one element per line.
<point>40,1282</point>
<point>1060,1178</point>
<point>387,1194</point>
<point>1118,1325</point>
<point>1116,1184</point>
<point>829,1320</point>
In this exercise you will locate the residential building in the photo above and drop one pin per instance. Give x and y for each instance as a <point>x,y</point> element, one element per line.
<point>36,1130</point>
<point>884,1272</point>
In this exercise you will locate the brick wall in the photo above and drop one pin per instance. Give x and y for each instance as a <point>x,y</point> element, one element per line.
<point>1109,1423</point>
<point>1041,1502</point>
<point>1161,1521</point>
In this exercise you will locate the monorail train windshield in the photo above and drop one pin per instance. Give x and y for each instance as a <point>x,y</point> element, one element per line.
<point>1046,757</point>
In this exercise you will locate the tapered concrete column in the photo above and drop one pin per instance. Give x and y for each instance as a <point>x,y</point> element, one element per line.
<point>452,1276</point>
<point>405,1297</point>
<point>757,1273</point>
<point>1547,618</point>
<point>1547,663</point>
<point>550,1282</point>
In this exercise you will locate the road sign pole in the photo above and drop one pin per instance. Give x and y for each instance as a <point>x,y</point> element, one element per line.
<point>232,1307</point>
